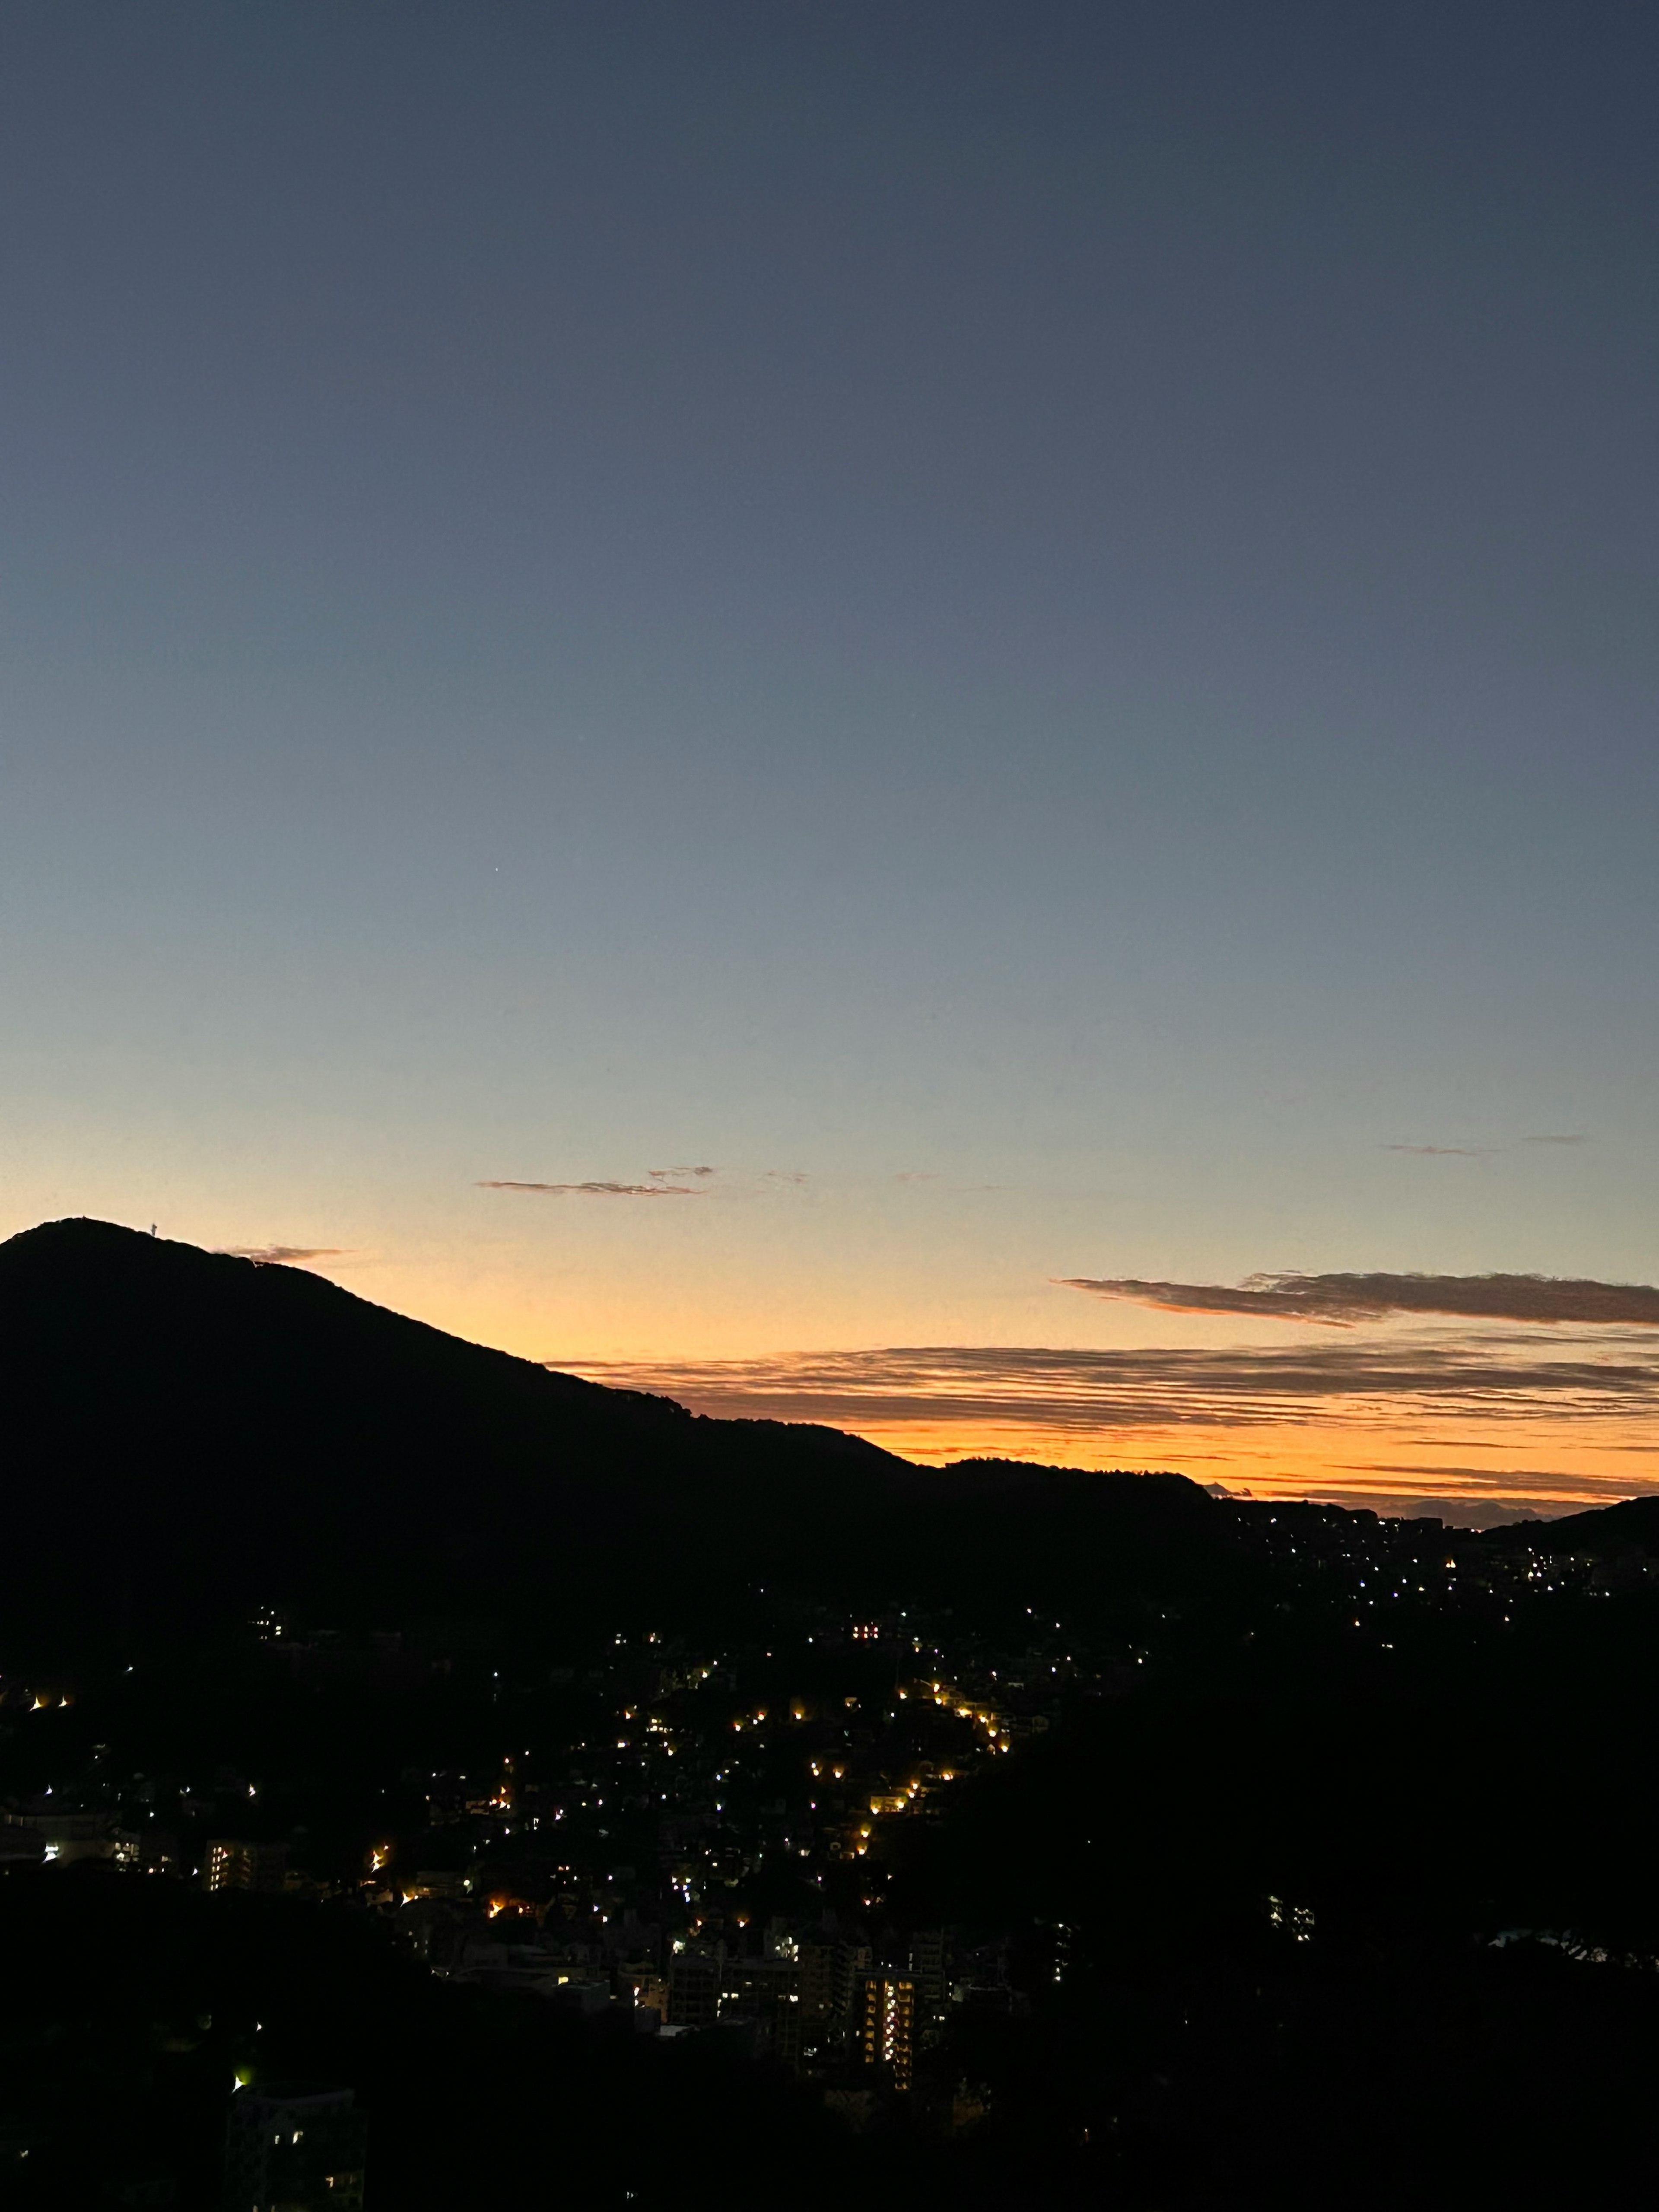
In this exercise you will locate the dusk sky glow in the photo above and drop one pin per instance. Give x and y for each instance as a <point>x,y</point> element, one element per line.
<point>1025,633</point>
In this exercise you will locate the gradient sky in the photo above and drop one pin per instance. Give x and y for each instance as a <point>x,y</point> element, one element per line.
<point>1029,629</point>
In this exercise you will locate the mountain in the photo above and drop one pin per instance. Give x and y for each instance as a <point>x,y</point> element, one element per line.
<point>186,1434</point>
<point>1631,1526</point>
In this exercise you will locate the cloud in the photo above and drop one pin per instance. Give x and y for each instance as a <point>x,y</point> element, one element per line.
<point>785,1174</point>
<point>1445,1151</point>
<point>1511,1481</point>
<point>916,1174</point>
<point>282,1256</point>
<point>1340,1301</point>
<point>604,1190</point>
<point>1114,1392</point>
<point>1476,1151</point>
<point>1235,1407</point>
<point>662,1175</point>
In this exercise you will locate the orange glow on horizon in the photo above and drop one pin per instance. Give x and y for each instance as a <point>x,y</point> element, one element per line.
<point>1407,1454</point>
<point>1547,1469</point>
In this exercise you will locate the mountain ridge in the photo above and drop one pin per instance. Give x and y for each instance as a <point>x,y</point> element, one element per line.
<point>188,1433</point>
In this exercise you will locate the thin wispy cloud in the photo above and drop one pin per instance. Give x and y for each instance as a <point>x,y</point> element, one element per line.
<point>1510,1481</point>
<point>1340,1301</point>
<point>283,1256</point>
<point>599,1190</point>
<point>1445,1152</point>
<point>698,1182</point>
<point>1478,1151</point>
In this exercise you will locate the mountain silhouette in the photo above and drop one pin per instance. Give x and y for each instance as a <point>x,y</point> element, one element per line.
<point>1631,1526</point>
<point>188,1434</point>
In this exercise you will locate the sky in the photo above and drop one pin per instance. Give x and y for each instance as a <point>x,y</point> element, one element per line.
<point>759,697</point>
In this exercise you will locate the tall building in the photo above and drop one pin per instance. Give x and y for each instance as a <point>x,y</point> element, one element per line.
<point>829,1985</point>
<point>852,1961</point>
<point>693,1987</point>
<point>234,1863</point>
<point>785,2028</point>
<point>769,1994</point>
<point>294,2150</point>
<point>929,1960</point>
<point>885,2023</point>
<point>817,1979</point>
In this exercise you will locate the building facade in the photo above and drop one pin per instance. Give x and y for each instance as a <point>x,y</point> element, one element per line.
<point>295,2150</point>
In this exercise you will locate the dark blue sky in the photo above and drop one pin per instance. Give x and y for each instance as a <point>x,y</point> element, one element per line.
<point>1043,597</point>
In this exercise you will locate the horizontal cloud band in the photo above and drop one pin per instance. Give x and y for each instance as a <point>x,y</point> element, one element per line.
<point>1105,1392</point>
<point>605,1189</point>
<point>1339,1301</point>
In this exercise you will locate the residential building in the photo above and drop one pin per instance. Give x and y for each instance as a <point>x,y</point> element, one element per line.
<point>693,1987</point>
<point>884,2025</point>
<point>232,1863</point>
<point>294,2150</point>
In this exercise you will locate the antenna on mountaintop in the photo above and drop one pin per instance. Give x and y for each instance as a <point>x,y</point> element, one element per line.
<point>152,1229</point>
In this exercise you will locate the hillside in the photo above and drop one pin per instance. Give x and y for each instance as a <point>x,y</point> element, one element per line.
<point>1631,1526</point>
<point>187,1434</point>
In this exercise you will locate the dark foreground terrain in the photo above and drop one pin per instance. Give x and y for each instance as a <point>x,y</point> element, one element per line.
<point>629,1808</point>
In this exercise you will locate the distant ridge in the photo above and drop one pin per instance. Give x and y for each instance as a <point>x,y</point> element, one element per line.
<point>1632,1525</point>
